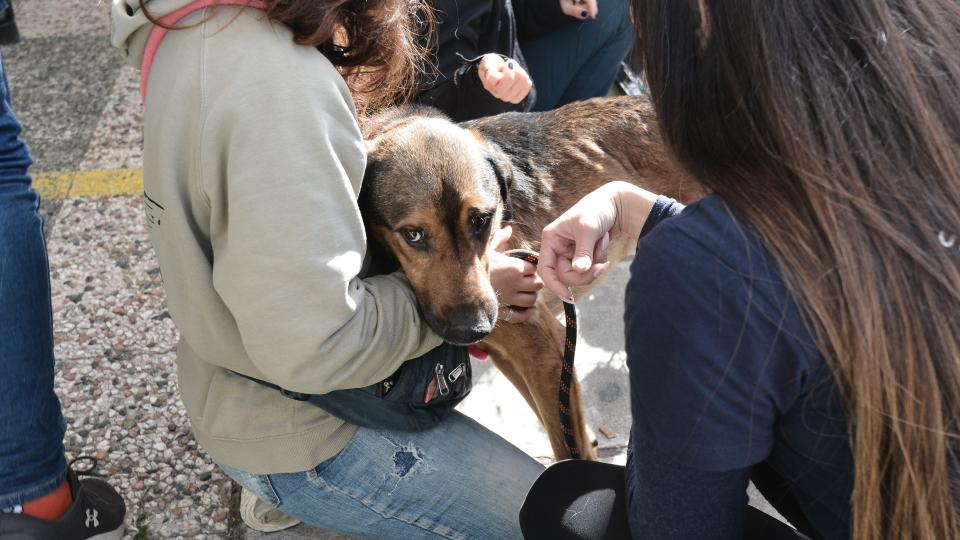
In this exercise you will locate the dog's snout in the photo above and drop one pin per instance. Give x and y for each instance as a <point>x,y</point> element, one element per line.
<point>467,335</point>
<point>469,329</point>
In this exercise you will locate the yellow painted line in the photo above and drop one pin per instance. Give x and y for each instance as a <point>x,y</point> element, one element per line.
<point>104,183</point>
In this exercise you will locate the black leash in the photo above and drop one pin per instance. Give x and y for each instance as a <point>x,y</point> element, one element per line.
<point>569,349</point>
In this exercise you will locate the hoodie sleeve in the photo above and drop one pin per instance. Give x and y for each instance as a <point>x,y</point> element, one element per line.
<point>291,243</point>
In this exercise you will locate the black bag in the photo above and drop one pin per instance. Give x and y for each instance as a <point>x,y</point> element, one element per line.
<point>414,398</point>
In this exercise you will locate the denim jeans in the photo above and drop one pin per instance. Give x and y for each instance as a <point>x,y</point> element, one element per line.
<point>579,60</point>
<point>457,480</point>
<point>31,424</point>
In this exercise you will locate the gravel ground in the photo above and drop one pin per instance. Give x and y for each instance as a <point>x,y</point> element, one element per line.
<point>115,348</point>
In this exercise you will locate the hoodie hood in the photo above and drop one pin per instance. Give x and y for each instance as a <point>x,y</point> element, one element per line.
<point>130,25</point>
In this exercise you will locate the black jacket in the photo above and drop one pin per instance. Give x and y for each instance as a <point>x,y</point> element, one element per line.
<point>468,29</point>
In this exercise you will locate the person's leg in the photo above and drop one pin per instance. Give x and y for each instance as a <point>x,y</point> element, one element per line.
<point>31,425</point>
<point>8,26</point>
<point>579,60</point>
<point>458,480</point>
<point>40,497</point>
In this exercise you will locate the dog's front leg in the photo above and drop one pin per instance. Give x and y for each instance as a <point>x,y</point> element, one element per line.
<point>531,356</point>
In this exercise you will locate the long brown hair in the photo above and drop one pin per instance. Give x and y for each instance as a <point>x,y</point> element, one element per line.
<point>378,45</point>
<point>834,127</point>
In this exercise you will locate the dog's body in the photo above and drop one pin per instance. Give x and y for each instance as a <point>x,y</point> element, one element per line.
<point>434,191</point>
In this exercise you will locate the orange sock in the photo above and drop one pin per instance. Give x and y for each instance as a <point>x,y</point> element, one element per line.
<point>50,507</point>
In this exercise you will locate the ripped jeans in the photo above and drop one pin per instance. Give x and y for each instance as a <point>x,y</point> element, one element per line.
<point>457,480</point>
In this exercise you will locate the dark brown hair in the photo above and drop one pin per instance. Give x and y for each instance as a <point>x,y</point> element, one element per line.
<point>378,45</point>
<point>834,127</point>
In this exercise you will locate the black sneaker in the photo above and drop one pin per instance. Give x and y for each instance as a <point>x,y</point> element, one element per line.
<point>8,28</point>
<point>96,513</point>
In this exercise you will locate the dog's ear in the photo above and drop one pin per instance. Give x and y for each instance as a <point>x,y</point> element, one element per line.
<point>504,172</point>
<point>502,168</point>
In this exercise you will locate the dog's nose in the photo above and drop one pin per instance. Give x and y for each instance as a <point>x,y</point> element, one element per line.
<point>467,334</point>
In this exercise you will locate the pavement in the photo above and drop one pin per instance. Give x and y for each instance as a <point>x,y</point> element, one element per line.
<point>114,337</point>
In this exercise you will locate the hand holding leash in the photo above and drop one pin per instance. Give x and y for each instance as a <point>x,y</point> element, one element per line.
<point>515,281</point>
<point>504,78</point>
<point>573,249</point>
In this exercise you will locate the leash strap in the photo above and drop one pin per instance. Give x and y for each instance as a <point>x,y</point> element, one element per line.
<point>159,31</point>
<point>569,351</point>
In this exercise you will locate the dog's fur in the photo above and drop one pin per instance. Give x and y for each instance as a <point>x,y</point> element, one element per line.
<point>434,191</point>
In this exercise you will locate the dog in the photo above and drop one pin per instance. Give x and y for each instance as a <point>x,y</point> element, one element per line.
<point>434,191</point>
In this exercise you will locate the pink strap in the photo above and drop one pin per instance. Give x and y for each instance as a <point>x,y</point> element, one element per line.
<point>170,19</point>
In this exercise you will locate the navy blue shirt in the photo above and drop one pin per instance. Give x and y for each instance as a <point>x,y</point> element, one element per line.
<point>726,382</point>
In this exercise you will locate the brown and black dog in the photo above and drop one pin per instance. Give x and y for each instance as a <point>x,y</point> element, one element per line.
<point>434,191</point>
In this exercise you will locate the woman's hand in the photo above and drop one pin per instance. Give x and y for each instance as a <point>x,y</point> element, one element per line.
<point>505,79</point>
<point>515,281</point>
<point>573,249</point>
<point>580,9</point>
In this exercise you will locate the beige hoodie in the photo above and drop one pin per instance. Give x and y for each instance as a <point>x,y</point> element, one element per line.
<point>252,165</point>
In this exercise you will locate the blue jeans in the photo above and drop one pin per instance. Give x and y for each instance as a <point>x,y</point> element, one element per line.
<point>31,425</point>
<point>457,480</point>
<point>580,60</point>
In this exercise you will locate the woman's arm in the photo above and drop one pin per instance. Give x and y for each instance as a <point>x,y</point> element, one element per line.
<point>572,248</point>
<point>713,366</point>
<point>669,500</point>
<point>282,163</point>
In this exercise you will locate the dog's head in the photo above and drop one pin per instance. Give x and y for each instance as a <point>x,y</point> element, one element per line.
<point>432,196</point>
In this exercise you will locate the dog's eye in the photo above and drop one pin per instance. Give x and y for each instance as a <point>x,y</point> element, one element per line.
<point>480,223</point>
<point>414,237</point>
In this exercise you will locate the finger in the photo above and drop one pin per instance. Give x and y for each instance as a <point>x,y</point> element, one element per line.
<point>575,8</point>
<point>587,235</point>
<point>526,285</point>
<point>573,277</point>
<point>490,81</point>
<point>491,63</point>
<point>506,80</point>
<point>592,7</point>
<point>522,89</point>
<point>522,300</point>
<point>521,269</point>
<point>547,269</point>
<point>503,87</point>
<point>600,250</point>
<point>538,282</point>
<point>506,313</point>
<point>515,315</point>
<point>489,71</point>
<point>528,268</point>
<point>522,316</point>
